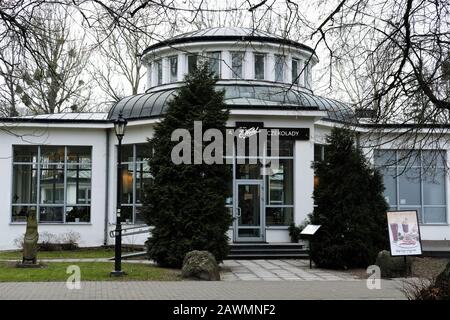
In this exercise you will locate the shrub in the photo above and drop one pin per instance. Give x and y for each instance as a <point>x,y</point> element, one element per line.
<point>49,242</point>
<point>437,288</point>
<point>392,267</point>
<point>350,207</point>
<point>69,240</point>
<point>294,232</point>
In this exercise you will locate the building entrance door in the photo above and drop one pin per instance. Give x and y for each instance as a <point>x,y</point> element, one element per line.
<point>248,211</point>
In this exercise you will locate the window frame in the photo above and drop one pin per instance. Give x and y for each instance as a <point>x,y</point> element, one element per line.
<point>159,71</point>
<point>264,56</point>
<point>399,170</point>
<point>233,74</point>
<point>194,55</point>
<point>280,60</point>
<point>173,78</point>
<point>134,204</point>
<point>209,58</point>
<point>39,168</point>
<point>295,76</point>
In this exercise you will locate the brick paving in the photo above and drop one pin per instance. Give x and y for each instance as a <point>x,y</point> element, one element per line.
<point>242,280</point>
<point>201,290</point>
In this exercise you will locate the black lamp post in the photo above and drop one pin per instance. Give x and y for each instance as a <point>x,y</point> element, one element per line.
<point>119,126</point>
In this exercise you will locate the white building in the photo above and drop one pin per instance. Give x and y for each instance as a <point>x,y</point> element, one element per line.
<point>63,166</point>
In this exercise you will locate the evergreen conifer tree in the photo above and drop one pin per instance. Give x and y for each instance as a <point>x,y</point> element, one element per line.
<point>186,202</point>
<point>350,206</point>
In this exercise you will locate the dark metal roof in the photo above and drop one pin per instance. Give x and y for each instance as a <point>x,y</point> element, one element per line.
<point>62,117</point>
<point>237,96</point>
<point>227,34</point>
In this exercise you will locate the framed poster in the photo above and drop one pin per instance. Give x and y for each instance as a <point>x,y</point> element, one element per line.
<point>404,233</point>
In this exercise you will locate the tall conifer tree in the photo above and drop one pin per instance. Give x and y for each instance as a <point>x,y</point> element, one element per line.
<point>186,202</point>
<point>350,206</point>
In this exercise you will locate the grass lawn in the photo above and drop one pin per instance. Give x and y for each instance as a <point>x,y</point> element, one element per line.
<point>90,271</point>
<point>72,254</point>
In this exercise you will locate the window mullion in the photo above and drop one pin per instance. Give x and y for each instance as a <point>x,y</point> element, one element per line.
<point>65,185</point>
<point>421,189</point>
<point>38,195</point>
<point>397,183</point>
<point>134,185</point>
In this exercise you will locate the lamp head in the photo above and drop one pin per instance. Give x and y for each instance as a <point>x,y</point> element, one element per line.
<point>119,126</point>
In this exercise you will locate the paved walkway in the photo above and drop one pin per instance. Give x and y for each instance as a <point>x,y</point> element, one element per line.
<point>279,270</point>
<point>201,290</point>
<point>243,280</point>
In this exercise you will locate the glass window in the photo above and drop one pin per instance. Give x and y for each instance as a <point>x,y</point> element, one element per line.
<point>285,147</point>
<point>192,63</point>
<point>390,185</point>
<point>173,68</point>
<point>409,187</point>
<point>24,183</point>
<point>434,215</point>
<point>78,214</point>
<point>295,70</point>
<point>52,154</point>
<point>415,180</point>
<point>237,61</point>
<point>20,213</point>
<point>319,152</point>
<point>434,187</point>
<point>279,68</point>
<point>259,66</point>
<point>25,153</point>
<point>52,185</point>
<point>51,214</point>
<point>79,154</point>
<point>55,184</point>
<point>136,177</point>
<point>214,59</point>
<point>280,184</point>
<point>385,158</point>
<point>159,71</point>
<point>281,216</point>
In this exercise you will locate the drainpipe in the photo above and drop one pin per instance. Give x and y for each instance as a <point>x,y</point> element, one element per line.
<point>105,235</point>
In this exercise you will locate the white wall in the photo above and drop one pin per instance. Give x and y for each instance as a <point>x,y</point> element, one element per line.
<point>92,233</point>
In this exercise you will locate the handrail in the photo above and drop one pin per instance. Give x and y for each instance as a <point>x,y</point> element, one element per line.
<point>129,232</point>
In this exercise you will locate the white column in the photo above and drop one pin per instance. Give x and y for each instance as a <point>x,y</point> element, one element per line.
<point>270,67</point>
<point>288,69</point>
<point>225,65</point>
<point>165,70</point>
<point>249,65</point>
<point>303,179</point>
<point>154,78</point>
<point>301,79</point>
<point>182,66</point>
<point>149,75</point>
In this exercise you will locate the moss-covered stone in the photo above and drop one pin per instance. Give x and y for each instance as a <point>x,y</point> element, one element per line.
<point>200,265</point>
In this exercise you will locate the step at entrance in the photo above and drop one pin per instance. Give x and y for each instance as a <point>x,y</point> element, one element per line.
<point>268,251</point>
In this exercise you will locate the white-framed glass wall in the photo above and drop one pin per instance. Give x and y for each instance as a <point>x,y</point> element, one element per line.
<point>415,180</point>
<point>236,61</point>
<point>52,181</point>
<point>276,191</point>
